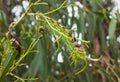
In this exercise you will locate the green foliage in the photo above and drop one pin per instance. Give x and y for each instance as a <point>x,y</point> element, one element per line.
<point>29,47</point>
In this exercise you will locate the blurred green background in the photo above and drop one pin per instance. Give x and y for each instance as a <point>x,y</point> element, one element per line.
<point>97,21</point>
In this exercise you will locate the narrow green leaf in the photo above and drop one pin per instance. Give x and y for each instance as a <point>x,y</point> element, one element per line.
<point>91,26</point>
<point>101,32</point>
<point>112,27</point>
<point>9,64</point>
<point>81,28</point>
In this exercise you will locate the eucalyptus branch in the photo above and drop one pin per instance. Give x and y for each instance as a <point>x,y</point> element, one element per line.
<point>57,29</point>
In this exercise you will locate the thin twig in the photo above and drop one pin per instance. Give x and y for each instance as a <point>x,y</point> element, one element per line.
<point>56,8</point>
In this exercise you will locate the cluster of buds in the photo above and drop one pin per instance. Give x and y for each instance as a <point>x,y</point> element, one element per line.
<point>78,53</point>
